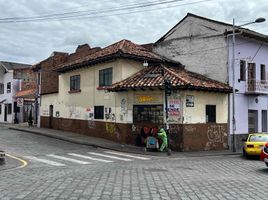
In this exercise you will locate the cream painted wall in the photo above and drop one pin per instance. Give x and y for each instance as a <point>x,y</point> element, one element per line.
<point>197,114</point>
<point>80,105</point>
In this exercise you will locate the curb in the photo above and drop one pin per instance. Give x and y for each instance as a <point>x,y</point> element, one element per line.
<point>123,149</point>
<point>75,141</point>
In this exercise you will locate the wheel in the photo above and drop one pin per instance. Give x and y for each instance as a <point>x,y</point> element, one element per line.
<point>245,154</point>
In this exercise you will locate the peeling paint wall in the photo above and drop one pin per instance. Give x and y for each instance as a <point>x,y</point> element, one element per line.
<point>199,45</point>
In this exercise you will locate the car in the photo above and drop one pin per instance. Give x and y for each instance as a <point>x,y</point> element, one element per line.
<point>2,157</point>
<point>254,143</point>
<point>264,154</point>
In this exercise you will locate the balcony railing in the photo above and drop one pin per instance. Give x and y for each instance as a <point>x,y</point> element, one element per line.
<point>256,87</point>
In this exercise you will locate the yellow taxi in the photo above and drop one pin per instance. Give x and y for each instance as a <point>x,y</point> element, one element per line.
<point>254,143</point>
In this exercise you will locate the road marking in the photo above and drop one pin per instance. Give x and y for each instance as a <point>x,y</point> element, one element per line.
<point>127,155</point>
<point>88,157</point>
<point>45,161</point>
<point>68,159</point>
<point>108,156</point>
<point>24,162</point>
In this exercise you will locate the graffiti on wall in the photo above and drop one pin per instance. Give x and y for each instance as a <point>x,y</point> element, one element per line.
<point>91,124</point>
<point>123,106</point>
<point>74,112</point>
<point>45,112</point>
<point>216,135</point>
<point>112,130</point>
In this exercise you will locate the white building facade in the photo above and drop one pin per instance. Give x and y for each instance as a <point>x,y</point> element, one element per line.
<point>9,111</point>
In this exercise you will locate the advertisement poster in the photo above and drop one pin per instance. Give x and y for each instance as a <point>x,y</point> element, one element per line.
<point>174,110</point>
<point>189,101</point>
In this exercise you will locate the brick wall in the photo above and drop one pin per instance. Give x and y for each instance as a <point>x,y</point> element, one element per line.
<point>49,78</point>
<point>27,77</point>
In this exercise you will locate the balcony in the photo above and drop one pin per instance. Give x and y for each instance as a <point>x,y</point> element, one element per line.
<point>256,87</point>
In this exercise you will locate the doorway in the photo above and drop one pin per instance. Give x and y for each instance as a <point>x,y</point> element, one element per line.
<point>5,113</point>
<point>50,115</point>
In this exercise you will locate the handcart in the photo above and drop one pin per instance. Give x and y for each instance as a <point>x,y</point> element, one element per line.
<point>152,143</point>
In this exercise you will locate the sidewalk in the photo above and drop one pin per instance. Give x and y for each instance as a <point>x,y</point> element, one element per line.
<point>107,144</point>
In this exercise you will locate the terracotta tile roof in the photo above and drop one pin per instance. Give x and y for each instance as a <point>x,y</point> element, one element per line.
<point>26,93</point>
<point>123,49</point>
<point>151,78</point>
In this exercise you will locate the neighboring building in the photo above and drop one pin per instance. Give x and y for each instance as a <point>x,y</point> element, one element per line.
<point>204,46</point>
<point>110,94</point>
<point>47,79</point>
<point>13,77</point>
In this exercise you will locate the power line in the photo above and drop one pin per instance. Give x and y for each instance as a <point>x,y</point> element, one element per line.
<point>99,13</point>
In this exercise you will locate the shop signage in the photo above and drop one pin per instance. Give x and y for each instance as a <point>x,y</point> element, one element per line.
<point>189,101</point>
<point>20,102</point>
<point>143,99</point>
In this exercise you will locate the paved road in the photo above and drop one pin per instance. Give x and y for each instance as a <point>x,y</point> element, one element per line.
<point>62,170</point>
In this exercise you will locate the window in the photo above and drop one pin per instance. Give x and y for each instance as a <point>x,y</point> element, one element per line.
<point>39,78</point>
<point>98,112</point>
<point>252,121</point>
<point>264,120</point>
<point>1,88</point>
<point>9,108</point>
<point>210,113</point>
<point>251,71</point>
<point>8,87</point>
<point>105,77</point>
<point>75,83</point>
<point>263,74</point>
<point>148,113</point>
<point>242,70</point>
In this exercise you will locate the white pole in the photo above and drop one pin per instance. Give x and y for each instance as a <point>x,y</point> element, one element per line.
<point>233,66</point>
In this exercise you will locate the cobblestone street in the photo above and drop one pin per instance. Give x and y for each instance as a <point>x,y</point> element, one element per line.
<point>136,177</point>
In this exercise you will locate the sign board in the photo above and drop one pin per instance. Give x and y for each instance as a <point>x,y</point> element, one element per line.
<point>20,102</point>
<point>147,99</point>
<point>174,107</point>
<point>189,101</point>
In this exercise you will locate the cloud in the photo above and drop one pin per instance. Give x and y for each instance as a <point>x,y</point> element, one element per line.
<point>33,42</point>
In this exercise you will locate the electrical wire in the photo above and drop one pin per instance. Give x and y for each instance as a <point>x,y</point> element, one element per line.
<point>99,13</point>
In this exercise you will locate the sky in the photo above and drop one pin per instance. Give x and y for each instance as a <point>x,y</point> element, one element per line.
<point>30,30</point>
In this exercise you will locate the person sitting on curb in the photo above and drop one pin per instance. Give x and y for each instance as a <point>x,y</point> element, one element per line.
<point>163,136</point>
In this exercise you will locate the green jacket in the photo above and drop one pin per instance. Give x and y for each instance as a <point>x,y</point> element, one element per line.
<point>162,135</point>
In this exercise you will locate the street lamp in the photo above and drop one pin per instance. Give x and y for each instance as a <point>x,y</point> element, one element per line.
<point>258,20</point>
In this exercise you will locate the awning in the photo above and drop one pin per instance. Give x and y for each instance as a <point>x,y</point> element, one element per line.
<point>2,101</point>
<point>30,94</point>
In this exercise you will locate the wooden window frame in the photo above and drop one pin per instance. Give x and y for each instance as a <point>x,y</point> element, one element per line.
<point>106,77</point>
<point>75,82</point>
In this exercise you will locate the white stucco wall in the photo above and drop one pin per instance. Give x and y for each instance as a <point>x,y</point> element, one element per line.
<point>8,97</point>
<point>197,114</point>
